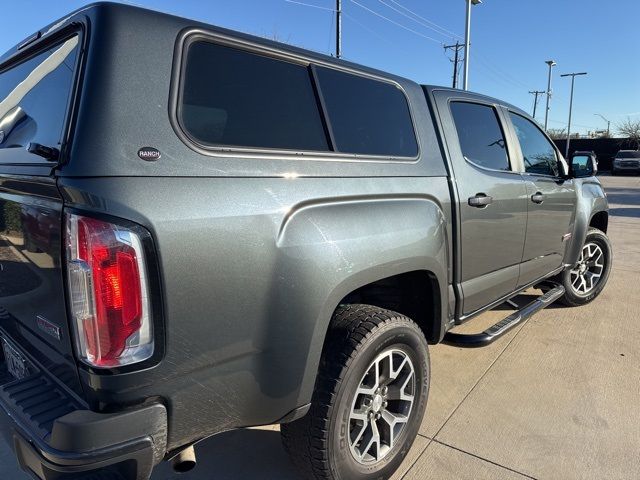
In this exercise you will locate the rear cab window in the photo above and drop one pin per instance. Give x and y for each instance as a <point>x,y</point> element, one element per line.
<point>480,135</point>
<point>233,98</point>
<point>34,101</point>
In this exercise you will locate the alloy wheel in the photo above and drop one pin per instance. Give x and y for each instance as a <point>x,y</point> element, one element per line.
<point>586,274</point>
<point>382,406</point>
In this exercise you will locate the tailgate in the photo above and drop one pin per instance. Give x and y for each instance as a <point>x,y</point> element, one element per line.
<point>32,296</point>
<point>37,86</point>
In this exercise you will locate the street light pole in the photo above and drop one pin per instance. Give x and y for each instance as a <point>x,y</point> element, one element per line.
<point>608,123</point>
<point>551,64</point>
<point>338,28</point>
<point>573,79</point>
<point>467,42</point>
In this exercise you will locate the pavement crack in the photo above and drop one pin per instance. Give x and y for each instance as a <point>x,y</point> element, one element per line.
<point>418,457</point>
<point>484,459</point>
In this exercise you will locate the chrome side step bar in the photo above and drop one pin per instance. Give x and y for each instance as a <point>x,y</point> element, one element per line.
<point>472,340</point>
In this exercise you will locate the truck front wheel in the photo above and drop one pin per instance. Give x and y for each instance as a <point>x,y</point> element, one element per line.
<point>369,399</point>
<point>588,277</point>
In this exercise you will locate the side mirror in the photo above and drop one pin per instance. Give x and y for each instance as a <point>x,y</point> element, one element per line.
<point>583,165</point>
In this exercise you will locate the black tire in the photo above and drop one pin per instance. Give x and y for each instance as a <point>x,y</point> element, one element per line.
<point>319,443</point>
<point>613,172</point>
<point>574,298</point>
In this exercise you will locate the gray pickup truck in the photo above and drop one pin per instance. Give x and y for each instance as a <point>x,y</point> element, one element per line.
<point>202,230</point>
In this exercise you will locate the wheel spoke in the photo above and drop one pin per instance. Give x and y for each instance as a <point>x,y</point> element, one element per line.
<point>363,429</point>
<point>392,421</point>
<point>576,281</point>
<point>372,439</point>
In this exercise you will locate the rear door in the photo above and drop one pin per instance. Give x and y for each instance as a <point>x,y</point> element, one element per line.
<point>551,201</point>
<point>492,201</point>
<point>35,98</point>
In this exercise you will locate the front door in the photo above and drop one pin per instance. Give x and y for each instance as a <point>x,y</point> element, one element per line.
<point>551,202</point>
<point>492,200</point>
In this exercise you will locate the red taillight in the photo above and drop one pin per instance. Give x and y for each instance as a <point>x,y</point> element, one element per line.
<point>108,292</point>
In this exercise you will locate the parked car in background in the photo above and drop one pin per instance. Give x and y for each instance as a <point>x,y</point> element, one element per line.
<point>626,161</point>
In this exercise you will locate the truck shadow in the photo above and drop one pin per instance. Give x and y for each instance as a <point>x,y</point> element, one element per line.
<point>247,453</point>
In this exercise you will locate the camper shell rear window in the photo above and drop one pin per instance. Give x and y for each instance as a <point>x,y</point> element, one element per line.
<point>34,101</point>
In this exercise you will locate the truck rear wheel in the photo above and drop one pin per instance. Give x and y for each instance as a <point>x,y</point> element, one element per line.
<point>369,399</point>
<point>588,278</point>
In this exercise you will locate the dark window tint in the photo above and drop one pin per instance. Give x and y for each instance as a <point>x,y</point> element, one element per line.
<point>233,97</point>
<point>481,138</point>
<point>34,97</point>
<point>367,116</point>
<point>627,154</point>
<point>537,151</point>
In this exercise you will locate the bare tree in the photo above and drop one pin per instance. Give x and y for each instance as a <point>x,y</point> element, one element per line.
<point>557,133</point>
<point>630,129</point>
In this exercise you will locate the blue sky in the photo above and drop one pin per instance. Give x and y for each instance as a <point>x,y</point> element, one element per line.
<point>511,39</point>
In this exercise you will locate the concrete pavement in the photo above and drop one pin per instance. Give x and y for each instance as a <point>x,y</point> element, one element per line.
<point>557,398</point>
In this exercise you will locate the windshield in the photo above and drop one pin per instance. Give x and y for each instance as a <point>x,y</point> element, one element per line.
<point>628,154</point>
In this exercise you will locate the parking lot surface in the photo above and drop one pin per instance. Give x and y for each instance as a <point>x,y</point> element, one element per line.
<point>557,398</point>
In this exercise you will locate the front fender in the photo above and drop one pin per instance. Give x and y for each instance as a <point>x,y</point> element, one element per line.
<point>591,199</point>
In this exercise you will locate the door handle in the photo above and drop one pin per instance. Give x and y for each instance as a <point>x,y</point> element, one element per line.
<point>537,197</point>
<point>480,200</point>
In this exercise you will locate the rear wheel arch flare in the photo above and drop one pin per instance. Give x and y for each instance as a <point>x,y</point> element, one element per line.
<point>415,294</point>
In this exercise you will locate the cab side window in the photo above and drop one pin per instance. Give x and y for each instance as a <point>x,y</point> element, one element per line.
<point>537,152</point>
<point>480,135</point>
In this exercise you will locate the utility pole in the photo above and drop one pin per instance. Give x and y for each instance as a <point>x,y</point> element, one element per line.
<point>338,28</point>
<point>467,41</point>
<point>573,79</point>
<point>551,64</point>
<point>535,102</point>
<point>457,47</point>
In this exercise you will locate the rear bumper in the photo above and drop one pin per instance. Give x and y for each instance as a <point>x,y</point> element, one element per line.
<point>79,443</point>
<point>128,459</point>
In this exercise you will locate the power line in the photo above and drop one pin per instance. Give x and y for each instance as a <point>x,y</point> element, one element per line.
<point>490,65</point>
<point>574,124</point>
<point>310,5</point>
<point>369,29</point>
<point>448,32</point>
<point>330,31</point>
<point>419,22</point>
<point>395,23</point>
